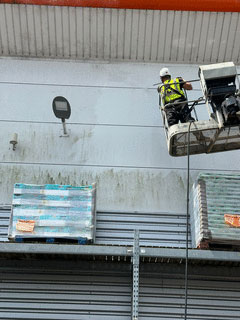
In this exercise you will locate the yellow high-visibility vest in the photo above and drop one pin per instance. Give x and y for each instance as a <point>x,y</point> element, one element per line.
<point>168,91</point>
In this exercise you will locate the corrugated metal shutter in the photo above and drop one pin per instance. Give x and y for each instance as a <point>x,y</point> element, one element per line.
<point>47,293</point>
<point>4,222</point>
<point>156,229</point>
<point>117,228</point>
<point>110,34</point>
<point>164,297</point>
<point>54,294</point>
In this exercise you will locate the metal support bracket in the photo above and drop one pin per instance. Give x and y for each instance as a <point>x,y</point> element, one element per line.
<point>135,276</point>
<point>214,139</point>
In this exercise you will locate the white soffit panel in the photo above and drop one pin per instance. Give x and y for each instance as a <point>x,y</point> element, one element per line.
<point>119,34</point>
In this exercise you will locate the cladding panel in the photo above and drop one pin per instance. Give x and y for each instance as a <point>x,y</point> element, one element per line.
<point>182,37</point>
<point>54,294</point>
<point>177,30</point>
<point>163,298</point>
<point>118,34</point>
<point>210,37</point>
<point>30,33</point>
<point>231,37</point>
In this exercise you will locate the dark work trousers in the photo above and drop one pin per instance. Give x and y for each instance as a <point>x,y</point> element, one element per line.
<point>178,113</point>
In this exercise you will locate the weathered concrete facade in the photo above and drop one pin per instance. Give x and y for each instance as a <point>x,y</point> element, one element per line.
<point>116,134</point>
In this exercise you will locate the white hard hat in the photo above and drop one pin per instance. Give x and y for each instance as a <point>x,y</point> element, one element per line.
<point>164,72</point>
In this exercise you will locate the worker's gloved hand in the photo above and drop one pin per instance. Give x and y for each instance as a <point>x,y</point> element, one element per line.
<point>159,89</point>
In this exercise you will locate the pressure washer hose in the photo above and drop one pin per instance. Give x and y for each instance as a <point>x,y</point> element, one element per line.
<point>187,222</point>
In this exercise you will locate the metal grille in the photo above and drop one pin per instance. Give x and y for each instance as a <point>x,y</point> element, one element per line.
<point>4,222</point>
<point>117,228</point>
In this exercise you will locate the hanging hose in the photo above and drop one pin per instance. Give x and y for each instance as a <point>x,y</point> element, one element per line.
<point>187,222</point>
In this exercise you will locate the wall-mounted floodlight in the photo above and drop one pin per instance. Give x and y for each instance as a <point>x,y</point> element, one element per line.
<point>62,110</point>
<point>14,141</point>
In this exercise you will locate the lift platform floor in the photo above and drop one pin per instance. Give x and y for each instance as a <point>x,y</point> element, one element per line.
<point>205,137</point>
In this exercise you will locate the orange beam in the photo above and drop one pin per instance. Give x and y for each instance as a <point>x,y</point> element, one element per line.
<point>182,5</point>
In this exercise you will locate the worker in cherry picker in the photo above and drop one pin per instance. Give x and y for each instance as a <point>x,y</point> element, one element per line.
<point>173,98</point>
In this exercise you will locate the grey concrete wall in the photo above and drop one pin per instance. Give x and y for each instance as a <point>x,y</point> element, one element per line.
<point>116,134</point>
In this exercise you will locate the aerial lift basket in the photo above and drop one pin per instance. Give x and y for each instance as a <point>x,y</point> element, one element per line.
<point>220,86</point>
